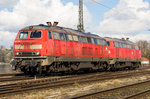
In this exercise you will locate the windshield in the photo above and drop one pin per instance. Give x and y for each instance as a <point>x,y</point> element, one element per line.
<point>23,35</point>
<point>35,34</point>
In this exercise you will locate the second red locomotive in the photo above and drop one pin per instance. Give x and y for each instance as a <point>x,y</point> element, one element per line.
<point>46,48</point>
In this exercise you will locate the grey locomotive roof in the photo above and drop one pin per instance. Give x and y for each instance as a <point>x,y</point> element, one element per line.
<point>60,29</point>
<point>119,40</point>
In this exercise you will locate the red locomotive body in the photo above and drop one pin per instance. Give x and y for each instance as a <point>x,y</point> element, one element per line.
<point>123,53</point>
<point>44,48</point>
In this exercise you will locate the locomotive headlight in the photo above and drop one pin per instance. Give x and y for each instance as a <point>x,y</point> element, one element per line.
<point>132,53</point>
<point>106,49</point>
<point>109,51</point>
<point>17,53</point>
<point>37,53</point>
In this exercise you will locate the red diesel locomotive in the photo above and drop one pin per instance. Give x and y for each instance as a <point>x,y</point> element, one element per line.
<point>45,48</point>
<point>123,53</point>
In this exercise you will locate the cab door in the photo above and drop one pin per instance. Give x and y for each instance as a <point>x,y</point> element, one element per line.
<point>50,43</point>
<point>105,49</point>
<point>100,42</point>
<point>114,50</point>
<point>117,49</point>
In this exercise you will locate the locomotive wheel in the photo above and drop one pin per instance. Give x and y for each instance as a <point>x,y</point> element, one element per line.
<point>113,67</point>
<point>23,69</point>
<point>105,66</point>
<point>131,67</point>
<point>74,67</point>
<point>39,70</point>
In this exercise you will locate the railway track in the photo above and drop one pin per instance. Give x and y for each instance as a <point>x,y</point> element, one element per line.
<point>60,81</point>
<point>16,78</point>
<point>20,76</point>
<point>143,94</point>
<point>132,91</point>
<point>10,74</point>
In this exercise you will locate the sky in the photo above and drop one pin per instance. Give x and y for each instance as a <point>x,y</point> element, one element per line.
<point>107,18</point>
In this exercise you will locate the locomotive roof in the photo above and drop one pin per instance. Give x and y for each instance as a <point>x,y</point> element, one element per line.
<point>60,29</point>
<point>120,40</point>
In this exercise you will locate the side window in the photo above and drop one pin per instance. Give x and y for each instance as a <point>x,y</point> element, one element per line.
<point>62,36</point>
<point>84,39</point>
<point>108,43</point>
<point>124,45</point>
<point>114,44</point>
<point>79,38</point>
<point>75,38</point>
<point>121,45</point>
<point>95,40</point>
<point>101,42</point>
<point>129,46</point>
<point>49,35</point>
<point>136,47</point>
<point>105,43</point>
<point>117,44</point>
<point>66,37</point>
<point>92,39</point>
<point>70,38</point>
<point>133,47</point>
<point>89,40</point>
<point>56,35</point>
<point>98,42</point>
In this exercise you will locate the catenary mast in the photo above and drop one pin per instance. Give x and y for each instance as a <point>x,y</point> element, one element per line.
<point>80,24</point>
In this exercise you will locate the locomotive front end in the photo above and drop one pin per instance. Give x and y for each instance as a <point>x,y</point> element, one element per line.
<point>29,50</point>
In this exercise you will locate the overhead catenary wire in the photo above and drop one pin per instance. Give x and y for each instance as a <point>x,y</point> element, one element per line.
<point>101,4</point>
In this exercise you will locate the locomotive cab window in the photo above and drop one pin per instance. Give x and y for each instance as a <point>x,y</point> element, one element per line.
<point>36,34</point>
<point>23,35</point>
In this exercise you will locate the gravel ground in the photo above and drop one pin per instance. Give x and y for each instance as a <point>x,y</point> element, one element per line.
<point>76,89</point>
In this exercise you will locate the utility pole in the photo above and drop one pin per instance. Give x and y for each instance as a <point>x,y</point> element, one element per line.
<point>80,24</point>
